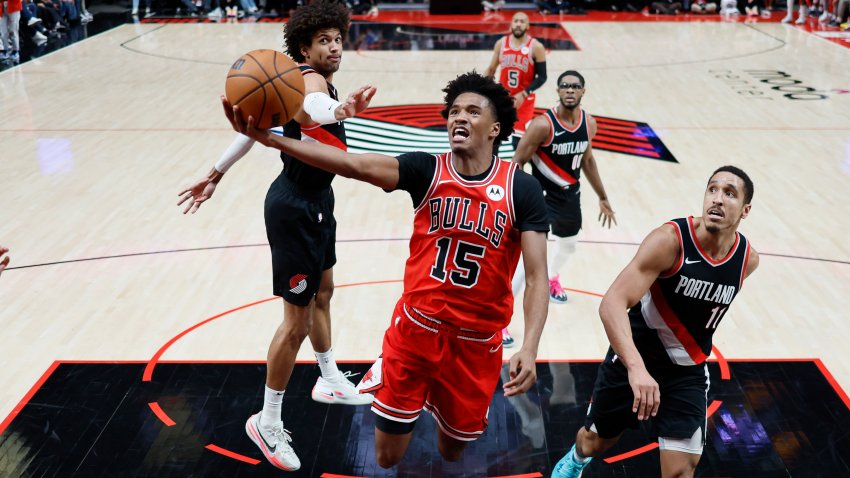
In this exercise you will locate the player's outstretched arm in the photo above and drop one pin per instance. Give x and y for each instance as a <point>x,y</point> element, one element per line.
<point>490,72</point>
<point>535,305</point>
<point>657,254</point>
<point>204,188</point>
<point>378,169</point>
<point>591,172</point>
<point>536,134</point>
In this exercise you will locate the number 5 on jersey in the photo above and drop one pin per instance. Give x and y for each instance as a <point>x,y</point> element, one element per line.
<point>465,259</point>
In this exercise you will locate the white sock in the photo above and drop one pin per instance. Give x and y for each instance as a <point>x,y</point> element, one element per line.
<point>327,365</point>
<point>579,458</point>
<point>271,407</point>
<point>563,248</point>
<point>519,278</point>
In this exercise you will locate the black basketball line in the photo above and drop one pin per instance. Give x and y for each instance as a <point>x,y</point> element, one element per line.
<point>283,80</point>
<point>242,75</point>
<point>270,80</point>
<point>287,83</point>
<point>279,97</point>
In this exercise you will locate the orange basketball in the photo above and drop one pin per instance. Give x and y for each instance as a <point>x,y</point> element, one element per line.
<point>267,85</point>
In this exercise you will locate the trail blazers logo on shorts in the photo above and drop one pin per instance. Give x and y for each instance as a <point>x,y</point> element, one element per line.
<point>298,283</point>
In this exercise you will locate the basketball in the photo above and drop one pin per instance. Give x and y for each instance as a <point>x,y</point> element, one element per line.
<point>267,85</point>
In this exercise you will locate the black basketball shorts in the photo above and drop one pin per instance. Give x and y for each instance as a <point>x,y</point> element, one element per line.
<point>564,209</point>
<point>683,400</point>
<point>301,229</point>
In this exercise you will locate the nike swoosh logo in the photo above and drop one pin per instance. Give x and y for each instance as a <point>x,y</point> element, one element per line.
<point>271,448</point>
<point>688,261</point>
<point>559,133</point>
<point>495,349</point>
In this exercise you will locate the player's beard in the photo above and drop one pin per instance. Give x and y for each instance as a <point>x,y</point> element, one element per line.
<point>571,107</point>
<point>518,35</point>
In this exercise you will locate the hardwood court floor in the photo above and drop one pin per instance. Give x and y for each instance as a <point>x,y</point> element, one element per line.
<point>98,138</point>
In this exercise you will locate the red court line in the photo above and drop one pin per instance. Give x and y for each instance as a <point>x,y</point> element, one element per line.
<point>20,406</point>
<point>635,151</point>
<point>821,367</point>
<point>595,294</point>
<point>724,364</point>
<point>615,121</point>
<point>629,454</point>
<point>715,405</point>
<point>230,454</point>
<point>146,376</point>
<point>157,410</point>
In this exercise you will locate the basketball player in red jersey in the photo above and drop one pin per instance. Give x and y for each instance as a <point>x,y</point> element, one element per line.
<point>300,226</point>
<point>521,60</point>
<point>473,215</point>
<point>660,315</point>
<point>559,144</point>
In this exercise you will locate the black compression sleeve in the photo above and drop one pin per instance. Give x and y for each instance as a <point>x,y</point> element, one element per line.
<point>539,77</point>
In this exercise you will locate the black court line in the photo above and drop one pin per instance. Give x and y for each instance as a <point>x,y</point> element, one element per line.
<point>343,241</point>
<point>782,44</point>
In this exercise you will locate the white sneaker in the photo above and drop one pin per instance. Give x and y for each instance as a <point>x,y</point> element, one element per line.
<point>32,21</point>
<point>804,12</point>
<point>215,13</point>
<point>274,443</point>
<point>340,391</point>
<point>135,12</point>
<point>788,18</point>
<point>39,37</point>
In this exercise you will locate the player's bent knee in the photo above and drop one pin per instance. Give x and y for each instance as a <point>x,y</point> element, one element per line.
<point>387,459</point>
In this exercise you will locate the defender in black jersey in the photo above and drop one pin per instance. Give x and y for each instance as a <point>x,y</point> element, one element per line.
<point>559,145</point>
<point>474,214</point>
<point>660,315</point>
<point>300,225</point>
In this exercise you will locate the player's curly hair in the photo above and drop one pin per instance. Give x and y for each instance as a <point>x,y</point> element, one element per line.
<point>500,99</point>
<point>307,20</point>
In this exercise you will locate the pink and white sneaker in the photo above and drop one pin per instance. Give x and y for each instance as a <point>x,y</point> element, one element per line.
<point>340,391</point>
<point>557,294</point>
<point>274,442</point>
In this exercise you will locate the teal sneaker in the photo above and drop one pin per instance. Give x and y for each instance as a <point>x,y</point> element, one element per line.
<point>568,466</point>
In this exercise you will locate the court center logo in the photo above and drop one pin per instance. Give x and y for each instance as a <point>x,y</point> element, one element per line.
<point>770,85</point>
<point>393,130</point>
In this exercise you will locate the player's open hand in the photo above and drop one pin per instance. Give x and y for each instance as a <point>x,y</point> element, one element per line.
<point>357,101</point>
<point>523,373</point>
<point>606,213</point>
<point>647,394</point>
<point>196,194</point>
<point>244,125</point>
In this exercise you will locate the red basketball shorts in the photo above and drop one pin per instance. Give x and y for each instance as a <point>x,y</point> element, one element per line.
<point>525,113</point>
<point>428,364</point>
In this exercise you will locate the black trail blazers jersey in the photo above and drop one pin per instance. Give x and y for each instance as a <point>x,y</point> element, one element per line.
<point>557,162</point>
<point>677,317</point>
<point>333,134</point>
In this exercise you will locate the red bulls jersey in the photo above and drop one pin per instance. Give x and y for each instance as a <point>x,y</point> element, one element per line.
<point>464,249</point>
<point>516,66</point>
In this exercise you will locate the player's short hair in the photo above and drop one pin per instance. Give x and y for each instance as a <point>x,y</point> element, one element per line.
<point>309,19</point>
<point>748,183</point>
<point>500,99</point>
<point>572,73</point>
